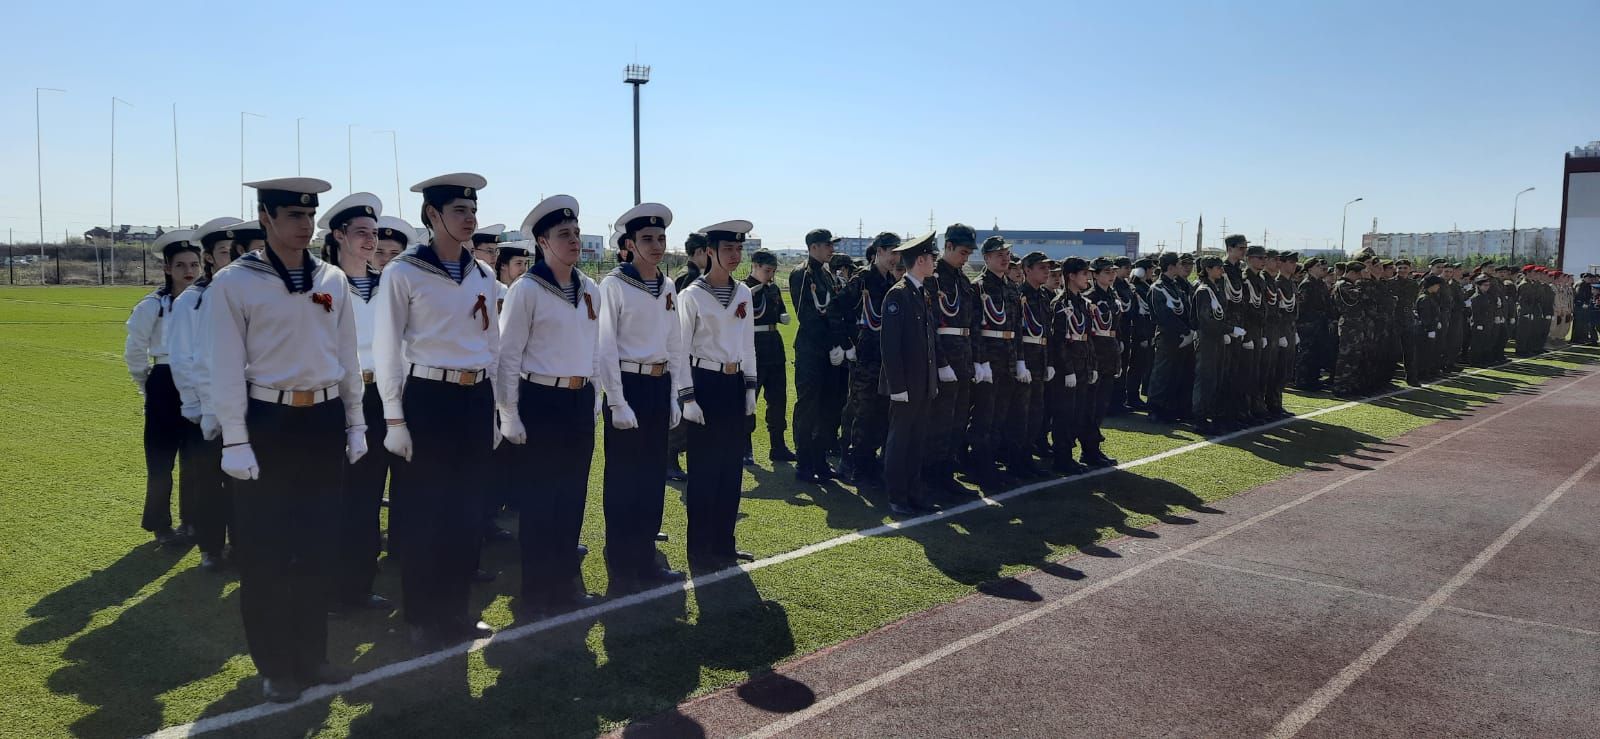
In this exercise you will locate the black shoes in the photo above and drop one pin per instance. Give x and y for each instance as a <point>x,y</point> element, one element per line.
<point>781,453</point>
<point>749,459</point>
<point>168,538</point>
<point>676,473</point>
<point>211,562</point>
<point>1098,459</point>
<point>280,690</point>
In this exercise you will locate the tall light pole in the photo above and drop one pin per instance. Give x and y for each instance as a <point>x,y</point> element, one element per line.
<point>1514,203</point>
<point>394,144</point>
<point>1342,220</point>
<point>38,154</point>
<point>177,179</point>
<point>113,205</point>
<point>297,146</point>
<point>1181,224</point>
<point>242,115</point>
<point>349,159</point>
<point>637,75</point>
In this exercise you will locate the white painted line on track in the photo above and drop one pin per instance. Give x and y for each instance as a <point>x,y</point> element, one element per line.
<point>1297,719</point>
<point>825,704</point>
<point>396,669</point>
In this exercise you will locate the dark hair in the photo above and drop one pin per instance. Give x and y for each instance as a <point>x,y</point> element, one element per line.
<point>209,265</point>
<point>171,252</point>
<point>330,249</point>
<point>1236,240</point>
<point>504,255</point>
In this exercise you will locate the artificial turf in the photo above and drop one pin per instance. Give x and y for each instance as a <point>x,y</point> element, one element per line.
<point>106,635</point>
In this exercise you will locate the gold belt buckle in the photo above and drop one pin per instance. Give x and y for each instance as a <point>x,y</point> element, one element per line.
<point>366,376</point>
<point>657,370</point>
<point>729,368</point>
<point>468,378</point>
<point>572,383</point>
<point>302,398</point>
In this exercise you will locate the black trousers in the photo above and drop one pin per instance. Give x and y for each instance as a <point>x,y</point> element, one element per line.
<point>286,534</point>
<point>635,478</point>
<point>555,476</point>
<point>1015,428</point>
<point>1070,414</point>
<point>993,408</point>
<point>1209,395</point>
<point>772,382</point>
<point>716,473</point>
<point>818,407</point>
<point>1172,376</point>
<point>903,450</point>
<point>209,491</point>
<point>360,535</point>
<point>947,426</point>
<point>1136,373</point>
<point>164,433</point>
<point>440,494</point>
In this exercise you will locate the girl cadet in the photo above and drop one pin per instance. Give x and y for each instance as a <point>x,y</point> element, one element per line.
<point>287,386</point>
<point>145,352</point>
<point>352,225</point>
<point>394,236</point>
<point>434,344</point>
<point>548,364</point>
<point>641,351</point>
<point>719,336</point>
<point>201,456</point>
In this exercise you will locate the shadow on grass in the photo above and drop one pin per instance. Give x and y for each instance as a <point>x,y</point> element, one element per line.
<point>68,610</point>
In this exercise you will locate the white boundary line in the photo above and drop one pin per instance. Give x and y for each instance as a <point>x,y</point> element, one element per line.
<point>396,669</point>
<point>1297,719</point>
<point>873,683</point>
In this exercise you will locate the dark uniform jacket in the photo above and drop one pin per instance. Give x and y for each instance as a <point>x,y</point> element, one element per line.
<point>1034,326</point>
<point>998,307</point>
<point>1171,304</point>
<point>1141,320</point>
<point>1314,310</point>
<point>766,303</point>
<point>907,341</point>
<point>1070,319</point>
<point>812,291</point>
<point>1105,317</point>
<point>862,299</point>
<point>955,305</point>
<point>683,281</point>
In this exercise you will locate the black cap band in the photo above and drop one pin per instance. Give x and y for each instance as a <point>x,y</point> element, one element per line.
<point>551,219</point>
<point>484,239</point>
<point>279,198</point>
<point>712,237</point>
<point>439,196</point>
<point>389,234</point>
<point>344,217</point>
<point>642,222</point>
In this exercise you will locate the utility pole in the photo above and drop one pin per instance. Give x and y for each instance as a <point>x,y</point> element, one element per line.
<point>113,204</point>
<point>38,152</point>
<point>177,180</point>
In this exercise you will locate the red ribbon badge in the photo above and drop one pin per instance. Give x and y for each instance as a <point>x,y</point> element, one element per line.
<point>588,302</point>
<point>482,306</point>
<point>739,312</point>
<point>323,299</point>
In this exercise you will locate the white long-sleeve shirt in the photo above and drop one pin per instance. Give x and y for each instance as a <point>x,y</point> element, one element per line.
<point>424,317</point>
<point>637,327</point>
<point>543,332</point>
<point>716,332</point>
<point>264,335</point>
<point>366,324</point>
<point>184,346</point>
<point>146,342</point>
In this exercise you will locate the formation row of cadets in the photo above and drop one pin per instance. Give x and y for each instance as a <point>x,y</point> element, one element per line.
<point>309,364</point>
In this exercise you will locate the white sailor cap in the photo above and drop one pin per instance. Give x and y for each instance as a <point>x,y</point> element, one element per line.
<point>645,215</point>
<point>213,231</point>
<point>300,191</point>
<point>247,231</point>
<point>726,231</point>
<point>447,187</point>
<point>350,207</point>
<point>391,228</point>
<point>547,213</point>
<point>616,237</point>
<point>488,234</point>
<point>175,236</point>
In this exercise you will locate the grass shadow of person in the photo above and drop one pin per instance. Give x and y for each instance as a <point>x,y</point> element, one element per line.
<point>1310,444</point>
<point>68,610</point>
<point>1151,496</point>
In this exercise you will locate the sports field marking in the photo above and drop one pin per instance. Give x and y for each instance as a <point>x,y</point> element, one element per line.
<point>866,686</point>
<point>1297,719</point>
<point>515,633</point>
<point>68,305</point>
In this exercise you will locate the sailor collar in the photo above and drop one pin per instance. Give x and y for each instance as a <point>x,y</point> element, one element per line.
<point>542,276</point>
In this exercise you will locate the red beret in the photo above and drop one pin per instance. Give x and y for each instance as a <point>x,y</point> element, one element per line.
<point>1528,268</point>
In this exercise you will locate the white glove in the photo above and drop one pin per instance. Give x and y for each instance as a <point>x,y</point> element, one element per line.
<point>192,415</point>
<point>836,356</point>
<point>1049,374</point>
<point>750,402</point>
<point>784,319</point>
<point>1433,334</point>
<point>1072,380</point>
<point>693,414</point>
<point>622,417</point>
<point>1283,341</point>
<point>984,372</point>
<point>900,397</point>
<point>1249,345</point>
<point>1187,339</point>
<point>397,439</point>
<point>510,426</point>
<point>1094,376</point>
<point>1441,324</point>
<point>1227,339</point>
<point>355,443</point>
<point>209,427</point>
<point>850,354</point>
<point>1146,342</point>
<point>1238,333</point>
<point>1296,338</point>
<point>677,415</point>
<point>947,374</point>
<point>240,462</point>
<point>1022,373</point>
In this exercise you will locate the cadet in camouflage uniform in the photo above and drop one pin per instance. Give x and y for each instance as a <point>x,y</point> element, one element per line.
<point>1141,328</point>
<point>1105,314</point>
<point>772,379</point>
<point>866,409</point>
<point>1034,324</point>
<point>956,313</point>
<point>1214,333</point>
<point>1172,370</point>
<point>1359,309</point>
<point>996,360</point>
<point>1313,321</point>
<point>1073,359</point>
<point>1405,313</point>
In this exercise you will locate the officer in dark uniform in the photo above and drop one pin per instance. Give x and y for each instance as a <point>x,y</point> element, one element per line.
<point>1073,359</point>
<point>996,362</point>
<point>1141,327</point>
<point>866,410</point>
<point>678,436</point>
<point>1313,326</point>
<point>772,373</point>
<point>1172,371</point>
<point>1123,287</point>
<point>1104,317</point>
<point>1237,367</point>
<point>955,300</point>
<point>908,377</point>
<point>1214,334</point>
<point>1255,313</point>
<point>819,353</point>
<point>1034,351</point>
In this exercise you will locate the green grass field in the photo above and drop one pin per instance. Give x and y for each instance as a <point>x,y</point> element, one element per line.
<point>106,635</point>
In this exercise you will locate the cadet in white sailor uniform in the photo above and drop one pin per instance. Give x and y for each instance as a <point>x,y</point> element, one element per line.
<point>287,387</point>
<point>145,352</point>
<point>511,260</point>
<point>202,448</point>
<point>352,225</point>
<point>547,402</point>
<point>485,243</point>
<point>719,391</point>
<point>641,351</point>
<point>394,236</point>
<point>435,342</point>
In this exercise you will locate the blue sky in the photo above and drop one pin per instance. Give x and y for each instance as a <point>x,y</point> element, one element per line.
<point>798,115</point>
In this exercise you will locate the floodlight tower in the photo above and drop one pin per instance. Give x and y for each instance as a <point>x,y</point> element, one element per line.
<point>637,75</point>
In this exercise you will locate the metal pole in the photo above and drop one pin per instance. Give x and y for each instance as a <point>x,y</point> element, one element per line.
<point>1181,224</point>
<point>177,181</point>
<point>1343,219</point>
<point>394,143</point>
<point>636,197</point>
<point>1515,202</point>
<point>297,146</point>
<point>38,150</point>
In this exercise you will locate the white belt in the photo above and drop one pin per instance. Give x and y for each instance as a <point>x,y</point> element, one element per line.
<point>454,377</point>
<point>987,334</point>
<point>1104,332</point>
<point>158,361</point>
<point>639,368</point>
<point>294,398</point>
<point>566,383</point>
<point>767,327</point>
<point>1033,340</point>
<point>726,368</point>
<point>954,331</point>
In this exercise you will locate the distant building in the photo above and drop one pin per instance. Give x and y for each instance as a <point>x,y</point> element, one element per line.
<point>854,246</point>
<point>1087,244</point>
<point>1533,244</point>
<point>1579,249</point>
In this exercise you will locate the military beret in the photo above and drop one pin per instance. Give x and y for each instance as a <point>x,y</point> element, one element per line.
<point>1255,251</point>
<point>1167,259</point>
<point>1386,262</point>
<point>1403,260</point>
<point>1072,265</point>
<point>841,261</point>
<point>1432,280</point>
<point>764,257</point>
<point>1364,254</point>
<point>994,244</point>
<point>1487,264</point>
<point>1207,262</point>
<point>1273,254</point>
<point>819,236</point>
<point>1122,262</point>
<point>1034,257</point>
<point>1101,264</point>
<point>1314,261</point>
<point>886,240</point>
<point>960,233</point>
<point>1355,266</point>
<point>1145,263</point>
